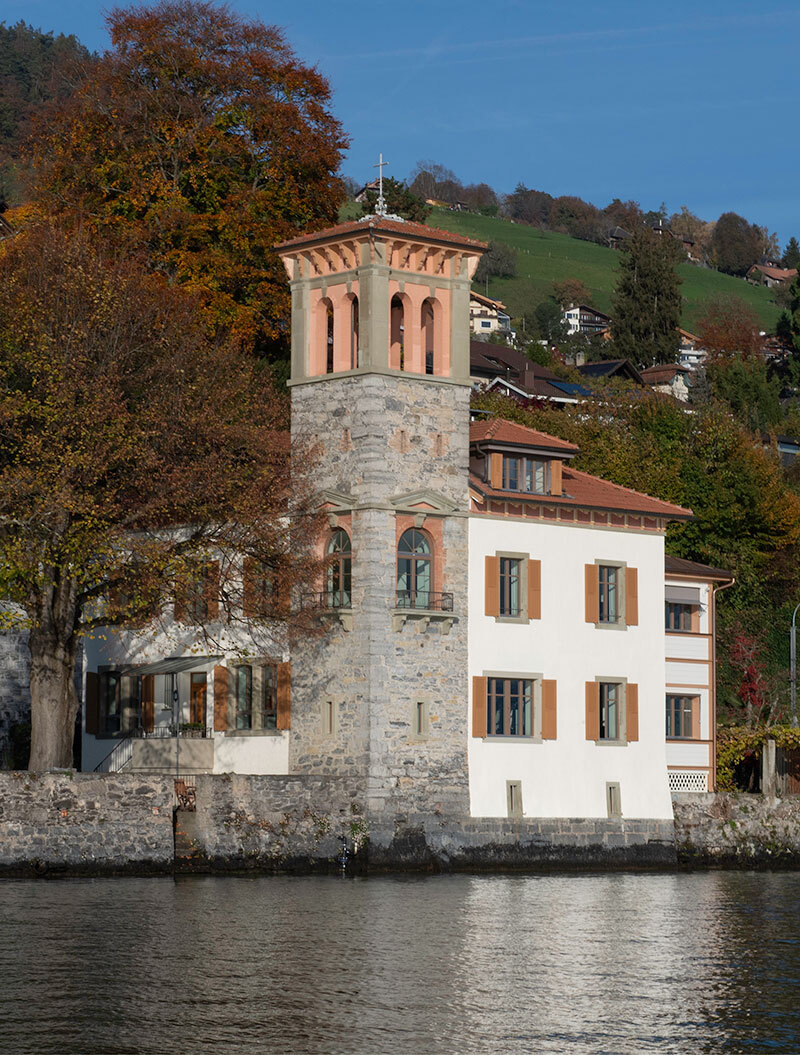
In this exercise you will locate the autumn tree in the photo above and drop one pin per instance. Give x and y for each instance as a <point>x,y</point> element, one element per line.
<point>735,244</point>
<point>133,449</point>
<point>571,291</point>
<point>729,327</point>
<point>201,140</point>
<point>647,300</point>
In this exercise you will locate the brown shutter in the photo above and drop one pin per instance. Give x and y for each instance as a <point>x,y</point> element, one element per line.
<point>696,718</point>
<point>549,723</point>
<point>492,585</point>
<point>220,699</point>
<point>631,712</point>
<point>555,477</point>
<point>496,471</point>
<point>479,711</point>
<point>592,593</point>
<point>592,710</point>
<point>694,624</point>
<point>148,702</point>
<point>180,603</point>
<point>534,589</point>
<point>211,589</point>
<point>92,703</point>
<point>631,597</point>
<point>248,583</point>
<point>284,718</point>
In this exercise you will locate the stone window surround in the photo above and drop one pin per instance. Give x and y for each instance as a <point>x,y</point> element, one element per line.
<point>522,617</point>
<point>536,701</point>
<point>620,623</point>
<point>621,740</point>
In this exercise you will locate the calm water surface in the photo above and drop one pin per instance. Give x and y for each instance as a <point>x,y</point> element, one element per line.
<point>620,963</point>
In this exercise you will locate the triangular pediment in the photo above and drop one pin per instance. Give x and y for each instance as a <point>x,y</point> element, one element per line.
<point>332,500</point>
<point>425,501</point>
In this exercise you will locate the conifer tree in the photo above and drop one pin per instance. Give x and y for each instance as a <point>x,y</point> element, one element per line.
<point>791,254</point>
<point>647,299</point>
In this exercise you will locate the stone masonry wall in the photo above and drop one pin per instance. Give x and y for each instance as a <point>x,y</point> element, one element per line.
<point>733,828</point>
<point>85,823</point>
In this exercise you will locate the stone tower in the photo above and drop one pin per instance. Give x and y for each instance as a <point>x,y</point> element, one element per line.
<point>380,379</point>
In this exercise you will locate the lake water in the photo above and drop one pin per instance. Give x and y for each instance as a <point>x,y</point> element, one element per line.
<point>704,962</point>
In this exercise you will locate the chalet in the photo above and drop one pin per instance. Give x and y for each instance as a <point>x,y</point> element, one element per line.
<point>487,316</point>
<point>766,275</point>
<point>579,318</point>
<point>669,378</point>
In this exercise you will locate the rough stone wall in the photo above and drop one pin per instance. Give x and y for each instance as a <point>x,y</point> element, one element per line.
<point>381,437</point>
<point>85,822</point>
<point>737,828</point>
<point>15,700</point>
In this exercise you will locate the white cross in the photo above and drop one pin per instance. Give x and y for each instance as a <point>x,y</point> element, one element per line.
<point>380,207</point>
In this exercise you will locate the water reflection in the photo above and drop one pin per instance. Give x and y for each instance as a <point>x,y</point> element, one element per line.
<point>619,963</point>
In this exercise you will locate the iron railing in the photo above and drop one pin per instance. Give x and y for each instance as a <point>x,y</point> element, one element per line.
<point>426,600</point>
<point>168,732</point>
<point>118,758</point>
<point>333,600</point>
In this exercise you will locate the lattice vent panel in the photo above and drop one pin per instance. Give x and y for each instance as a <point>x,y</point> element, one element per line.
<point>688,780</point>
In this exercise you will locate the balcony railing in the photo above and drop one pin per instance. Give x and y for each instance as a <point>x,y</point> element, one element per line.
<point>425,600</point>
<point>185,731</point>
<point>332,600</point>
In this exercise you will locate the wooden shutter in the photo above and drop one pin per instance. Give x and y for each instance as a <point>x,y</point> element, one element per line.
<point>220,699</point>
<point>92,703</point>
<point>592,593</point>
<point>555,477</point>
<point>549,723</point>
<point>592,710</point>
<point>534,589</point>
<point>631,597</point>
<point>211,589</point>
<point>248,583</point>
<point>148,702</point>
<point>284,717</point>
<point>479,711</point>
<point>631,712</point>
<point>492,585</point>
<point>496,471</point>
<point>180,603</point>
<point>696,718</point>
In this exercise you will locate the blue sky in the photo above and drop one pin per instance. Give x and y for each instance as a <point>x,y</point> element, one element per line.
<point>687,103</point>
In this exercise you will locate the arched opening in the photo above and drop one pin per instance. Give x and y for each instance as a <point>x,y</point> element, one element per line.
<point>414,570</point>
<point>353,331</point>
<point>428,326</point>
<point>397,331</point>
<point>328,308</point>
<point>339,570</point>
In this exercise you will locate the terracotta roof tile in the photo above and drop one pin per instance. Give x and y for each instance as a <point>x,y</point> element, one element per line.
<point>383,224</point>
<point>503,431</point>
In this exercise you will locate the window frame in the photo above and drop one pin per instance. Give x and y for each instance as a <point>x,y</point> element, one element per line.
<point>339,569</point>
<point>523,560</point>
<point>535,679</point>
<point>261,691</point>
<point>687,610</point>
<point>621,568</point>
<point>693,701</point>
<point>621,739</point>
<point>414,559</point>
<point>520,473</point>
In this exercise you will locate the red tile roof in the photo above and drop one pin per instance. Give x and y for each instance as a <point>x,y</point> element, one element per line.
<point>581,489</point>
<point>663,372</point>
<point>381,224</point>
<point>681,566</point>
<point>780,274</point>
<point>502,431</point>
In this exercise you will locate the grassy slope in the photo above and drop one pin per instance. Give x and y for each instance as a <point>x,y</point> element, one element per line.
<point>544,257</point>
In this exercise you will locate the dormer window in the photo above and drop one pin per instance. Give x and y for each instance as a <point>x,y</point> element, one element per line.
<point>525,474</point>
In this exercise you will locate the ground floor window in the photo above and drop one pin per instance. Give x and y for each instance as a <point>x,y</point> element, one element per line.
<point>256,696</point>
<point>509,706</point>
<point>680,713</point>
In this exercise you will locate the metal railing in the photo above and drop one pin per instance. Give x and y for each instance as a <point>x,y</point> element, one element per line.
<point>169,732</point>
<point>332,600</point>
<point>118,758</point>
<point>425,600</point>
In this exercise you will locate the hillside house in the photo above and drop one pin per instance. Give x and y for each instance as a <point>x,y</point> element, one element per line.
<point>669,378</point>
<point>579,318</point>
<point>487,316</point>
<point>770,276</point>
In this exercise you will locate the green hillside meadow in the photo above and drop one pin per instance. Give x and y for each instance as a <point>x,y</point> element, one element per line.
<point>544,257</point>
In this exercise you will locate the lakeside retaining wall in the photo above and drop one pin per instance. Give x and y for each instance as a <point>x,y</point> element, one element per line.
<point>736,829</point>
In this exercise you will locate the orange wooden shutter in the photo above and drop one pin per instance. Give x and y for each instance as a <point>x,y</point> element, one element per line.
<point>496,471</point>
<point>284,717</point>
<point>534,589</point>
<point>631,712</point>
<point>92,703</point>
<point>211,589</point>
<point>220,699</point>
<point>555,477</point>
<point>549,722</point>
<point>631,597</point>
<point>592,710</point>
<point>479,711</point>
<point>492,585</point>
<point>696,718</point>
<point>592,593</point>
<point>248,598</point>
<point>148,702</point>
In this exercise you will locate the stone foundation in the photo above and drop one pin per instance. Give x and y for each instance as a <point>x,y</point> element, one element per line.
<point>737,830</point>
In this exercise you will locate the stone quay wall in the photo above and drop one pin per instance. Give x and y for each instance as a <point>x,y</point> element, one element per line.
<point>736,829</point>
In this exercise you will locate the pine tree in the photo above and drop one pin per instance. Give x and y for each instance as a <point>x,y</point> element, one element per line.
<point>791,254</point>
<point>647,299</point>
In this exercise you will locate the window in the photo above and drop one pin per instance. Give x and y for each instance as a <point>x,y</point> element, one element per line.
<point>268,696</point>
<point>610,707</point>
<point>509,706</point>
<point>680,712</point>
<point>198,595</point>
<point>328,335</point>
<point>420,719</point>
<point>258,589</point>
<point>514,797</point>
<point>608,593</point>
<point>354,332</point>
<point>339,571</point>
<point>428,333</point>
<point>613,800</point>
<point>243,694</point>
<point>414,570</point>
<point>397,358</point>
<point>328,718</point>
<point>510,570</point>
<point>524,474</point>
<point>485,325</point>
<point>678,616</point>
<point>255,692</point>
<point>110,702</point>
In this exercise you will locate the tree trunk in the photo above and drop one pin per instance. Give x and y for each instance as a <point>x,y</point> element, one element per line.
<point>54,702</point>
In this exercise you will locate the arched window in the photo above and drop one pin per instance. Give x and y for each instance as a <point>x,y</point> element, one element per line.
<point>428,333</point>
<point>328,335</point>
<point>338,572</point>
<point>397,357</point>
<point>354,332</point>
<point>414,570</point>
